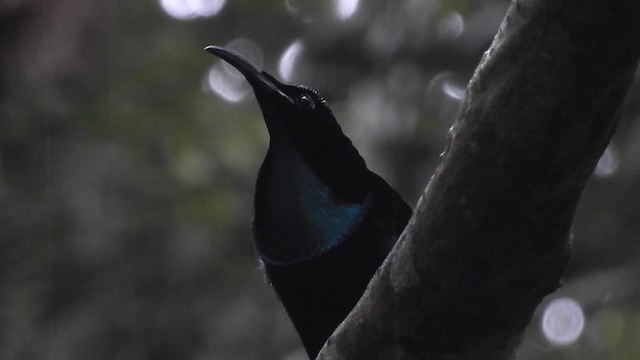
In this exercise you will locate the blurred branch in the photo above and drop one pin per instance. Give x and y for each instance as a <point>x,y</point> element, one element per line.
<point>489,237</point>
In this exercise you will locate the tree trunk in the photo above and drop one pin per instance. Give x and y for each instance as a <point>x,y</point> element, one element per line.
<point>489,238</point>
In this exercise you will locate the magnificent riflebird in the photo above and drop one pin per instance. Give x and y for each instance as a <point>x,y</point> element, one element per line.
<point>323,222</point>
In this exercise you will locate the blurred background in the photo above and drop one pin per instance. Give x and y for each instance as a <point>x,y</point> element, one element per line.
<point>128,157</point>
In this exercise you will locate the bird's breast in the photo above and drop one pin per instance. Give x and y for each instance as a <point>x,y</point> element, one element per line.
<point>296,216</point>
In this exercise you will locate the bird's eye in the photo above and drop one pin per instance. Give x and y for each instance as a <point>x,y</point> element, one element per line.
<point>306,101</point>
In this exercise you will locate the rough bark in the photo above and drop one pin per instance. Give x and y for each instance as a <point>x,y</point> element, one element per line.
<point>489,238</point>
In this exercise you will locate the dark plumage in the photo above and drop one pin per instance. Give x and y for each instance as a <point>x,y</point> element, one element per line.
<point>323,222</point>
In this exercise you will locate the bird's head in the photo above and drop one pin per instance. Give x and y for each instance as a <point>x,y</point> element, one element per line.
<point>299,116</point>
<point>291,111</point>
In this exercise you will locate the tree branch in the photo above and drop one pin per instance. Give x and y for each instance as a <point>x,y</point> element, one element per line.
<point>489,237</point>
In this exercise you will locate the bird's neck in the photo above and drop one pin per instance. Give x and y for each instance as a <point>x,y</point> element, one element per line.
<point>297,214</point>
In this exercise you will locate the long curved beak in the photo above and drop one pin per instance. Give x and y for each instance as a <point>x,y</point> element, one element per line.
<point>259,80</point>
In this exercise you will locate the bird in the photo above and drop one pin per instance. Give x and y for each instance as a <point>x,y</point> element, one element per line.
<point>323,222</point>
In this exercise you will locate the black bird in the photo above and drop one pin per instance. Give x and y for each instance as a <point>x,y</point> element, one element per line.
<point>323,222</point>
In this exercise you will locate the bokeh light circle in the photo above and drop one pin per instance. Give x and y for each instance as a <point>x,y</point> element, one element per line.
<point>191,9</point>
<point>562,321</point>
